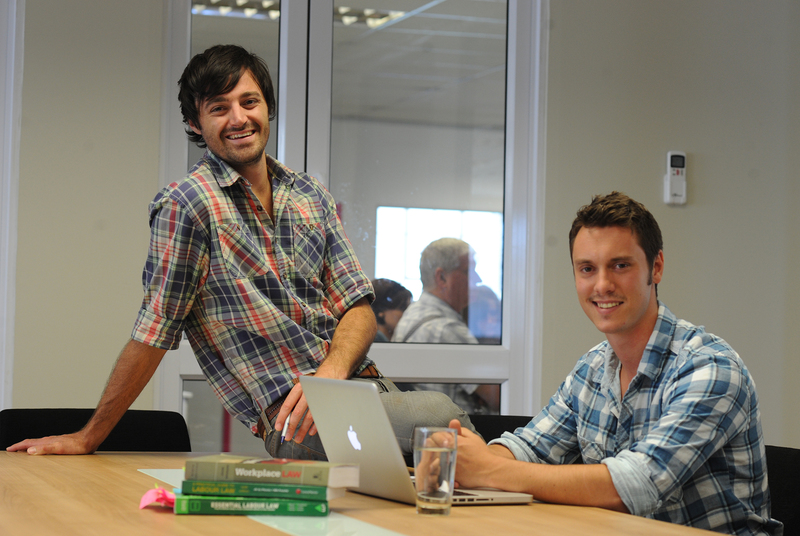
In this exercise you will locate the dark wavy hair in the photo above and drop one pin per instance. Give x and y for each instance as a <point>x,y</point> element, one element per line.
<point>389,295</point>
<point>618,210</point>
<point>216,72</point>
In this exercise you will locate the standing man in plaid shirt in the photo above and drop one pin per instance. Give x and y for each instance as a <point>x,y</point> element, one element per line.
<point>663,414</point>
<point>250,261</point>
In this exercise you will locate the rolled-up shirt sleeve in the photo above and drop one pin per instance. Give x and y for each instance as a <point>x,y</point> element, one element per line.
<point>343,277</point>
<point>705,405</point>
<point>177,265</point>
<point>632,481</point>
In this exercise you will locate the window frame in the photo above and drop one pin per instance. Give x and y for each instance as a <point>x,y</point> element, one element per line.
<point>11,63</point>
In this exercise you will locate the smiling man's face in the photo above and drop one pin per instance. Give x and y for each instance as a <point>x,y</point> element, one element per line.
<point>615,285</point>
<point>235,125</point>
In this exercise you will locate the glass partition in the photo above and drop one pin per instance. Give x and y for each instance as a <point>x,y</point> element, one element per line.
<point>417,155</point>
<point>211,428</point>
<point>417,139</point>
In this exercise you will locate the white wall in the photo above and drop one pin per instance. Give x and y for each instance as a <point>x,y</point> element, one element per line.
<point>631,80</point>
<point>791,335</point>
<point>89,153</point>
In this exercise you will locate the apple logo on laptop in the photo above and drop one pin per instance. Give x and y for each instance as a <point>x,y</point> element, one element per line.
<point>353,437</point>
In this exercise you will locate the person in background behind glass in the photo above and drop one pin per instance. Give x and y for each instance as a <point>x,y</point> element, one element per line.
<point>447,271</point>
<point>391,300</point>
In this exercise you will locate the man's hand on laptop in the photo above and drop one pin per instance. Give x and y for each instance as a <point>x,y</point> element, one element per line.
<point>476,460</point>
<point>296,405</point>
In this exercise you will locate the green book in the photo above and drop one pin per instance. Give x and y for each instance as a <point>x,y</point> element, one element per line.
<point>232,468</point>
<point>247,506</point>
<point>255,489</point>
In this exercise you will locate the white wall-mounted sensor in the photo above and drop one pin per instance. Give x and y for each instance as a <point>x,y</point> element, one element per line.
<point>675,179</point>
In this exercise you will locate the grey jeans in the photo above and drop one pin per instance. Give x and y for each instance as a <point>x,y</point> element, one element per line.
<point>406,411</point>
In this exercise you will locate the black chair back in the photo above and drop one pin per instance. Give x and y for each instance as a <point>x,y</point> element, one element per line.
<point>783,473</point>
<point>493,426</point>
<point>137,431</point>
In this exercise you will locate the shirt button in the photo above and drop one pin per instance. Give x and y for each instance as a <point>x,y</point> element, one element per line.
<point>260,208</point>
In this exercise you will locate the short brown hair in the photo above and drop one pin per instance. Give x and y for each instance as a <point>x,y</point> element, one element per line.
<point>389,295</point>
<point>618,210</point>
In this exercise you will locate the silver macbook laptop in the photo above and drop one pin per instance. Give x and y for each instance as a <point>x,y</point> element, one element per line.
<point>354,428</point>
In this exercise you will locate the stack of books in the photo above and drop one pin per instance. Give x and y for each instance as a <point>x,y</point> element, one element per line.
<point>228,484</point>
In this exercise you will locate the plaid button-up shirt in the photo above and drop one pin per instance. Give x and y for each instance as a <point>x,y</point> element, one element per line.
<point>259,301</point>
<point>683,445</point>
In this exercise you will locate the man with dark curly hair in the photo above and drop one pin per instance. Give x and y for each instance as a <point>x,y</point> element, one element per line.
<point>249,259</point>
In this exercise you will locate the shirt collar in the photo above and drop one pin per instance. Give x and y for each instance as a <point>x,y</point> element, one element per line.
<point>658,347</point>
<point>435,301</point>
<point>226,176</point>
<point>279,172</point>
<point>655,353</point>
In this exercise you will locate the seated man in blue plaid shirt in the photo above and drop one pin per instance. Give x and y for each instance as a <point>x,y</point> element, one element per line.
<point>663,414</point>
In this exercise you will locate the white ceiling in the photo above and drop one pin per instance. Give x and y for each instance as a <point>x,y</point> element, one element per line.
<point>441,63</point>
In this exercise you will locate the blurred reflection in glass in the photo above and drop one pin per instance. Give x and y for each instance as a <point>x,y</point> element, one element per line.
<point>483,315</point>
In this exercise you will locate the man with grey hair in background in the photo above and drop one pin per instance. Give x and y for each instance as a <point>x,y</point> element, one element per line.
<point>447,271</point>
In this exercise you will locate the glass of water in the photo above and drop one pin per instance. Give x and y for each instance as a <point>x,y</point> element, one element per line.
<point>434,469</point>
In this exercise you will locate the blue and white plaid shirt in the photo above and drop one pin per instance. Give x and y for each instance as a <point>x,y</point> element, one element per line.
<point>683,445</point>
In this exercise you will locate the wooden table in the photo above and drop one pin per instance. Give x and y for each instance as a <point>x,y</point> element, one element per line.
<point>99,494</point>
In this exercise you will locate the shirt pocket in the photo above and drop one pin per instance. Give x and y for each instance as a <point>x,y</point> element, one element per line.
<point>592,442</point>
<point>243,257</point>
<point>308,241</point>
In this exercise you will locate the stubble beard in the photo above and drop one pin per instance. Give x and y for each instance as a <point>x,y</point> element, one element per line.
<point>246,156</point>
